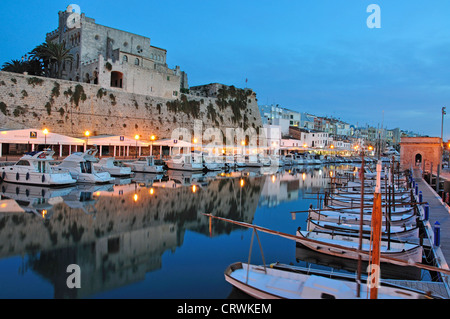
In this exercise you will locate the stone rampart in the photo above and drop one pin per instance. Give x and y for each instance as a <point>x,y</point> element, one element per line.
<point>71,108</point>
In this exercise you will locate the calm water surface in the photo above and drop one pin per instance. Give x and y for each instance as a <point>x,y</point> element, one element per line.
<point>146,237</point>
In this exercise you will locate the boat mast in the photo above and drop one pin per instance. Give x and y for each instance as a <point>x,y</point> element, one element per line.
<point>376,237</point>
<point>361,217</point>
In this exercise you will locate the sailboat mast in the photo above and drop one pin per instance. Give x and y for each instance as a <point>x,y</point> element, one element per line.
<point>376,237</point>
<point>361,217</point>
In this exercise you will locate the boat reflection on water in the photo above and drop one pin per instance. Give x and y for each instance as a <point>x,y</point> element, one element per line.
<point>147,228</point>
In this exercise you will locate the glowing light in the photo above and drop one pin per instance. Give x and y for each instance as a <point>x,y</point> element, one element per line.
<point>136,137</point>
<point>195,141</point>
<point>194,189</point>
<point>332,146</point>
<point>243,143</point>
<point>304,176</point>
<point>151,191</point>
<point>45,131</point>
<point>87,133</point>
<point>242,182</point>
<point>135,197</point>
<point>44,213</point>
<point>370,147</point>
<point>153,138</point>
<point>331,173</point>
<point>305,145</point>
<point>273,179</point>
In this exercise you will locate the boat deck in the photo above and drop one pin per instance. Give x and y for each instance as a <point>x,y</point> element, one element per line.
<point>437,288</point>
<point>438,212</point>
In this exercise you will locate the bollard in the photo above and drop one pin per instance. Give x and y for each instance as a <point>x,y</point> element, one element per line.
<point>427,211</point>
<point>420,197</point>
<point>417,190</point>
<point>437,234</point>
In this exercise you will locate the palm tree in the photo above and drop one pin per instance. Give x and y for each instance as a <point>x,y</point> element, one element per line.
<point>51,53</point>
<point>15,66</point>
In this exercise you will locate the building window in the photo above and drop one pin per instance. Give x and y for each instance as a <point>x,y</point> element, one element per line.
<point>125,59</point>
<point>168,78</point>
<point>136,62</point>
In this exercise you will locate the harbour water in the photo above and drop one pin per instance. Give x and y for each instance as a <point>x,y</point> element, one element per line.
<point>147,237</point>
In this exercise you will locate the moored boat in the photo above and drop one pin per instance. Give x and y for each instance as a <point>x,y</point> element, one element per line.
<point>81,167</point>
<point>110,165</point>
<point>397,232</point>
<point>345,245</point>
<point>34,169</point>
<point>185,162</point>
<point>343,216</point>
<point>282,282</point>
<point>146,164</point>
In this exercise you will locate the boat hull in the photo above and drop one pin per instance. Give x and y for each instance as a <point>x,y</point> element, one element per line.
<point>345,246</point>
<point>42,179</point>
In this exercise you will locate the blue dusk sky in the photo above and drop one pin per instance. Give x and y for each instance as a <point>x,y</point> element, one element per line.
<point>316,56</point>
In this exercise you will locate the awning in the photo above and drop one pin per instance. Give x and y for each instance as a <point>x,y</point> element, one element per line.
<point>174,143</point>
<point>114,140</point>
<point>34,136</point>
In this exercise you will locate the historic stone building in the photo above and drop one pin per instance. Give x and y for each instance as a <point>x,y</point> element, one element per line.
<point>424,152</point>
<point>116,59</point>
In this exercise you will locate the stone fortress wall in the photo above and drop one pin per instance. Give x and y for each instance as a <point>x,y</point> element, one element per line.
<point>71,108</point>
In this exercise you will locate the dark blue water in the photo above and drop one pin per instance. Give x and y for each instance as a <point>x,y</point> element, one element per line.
<point>147,237</point>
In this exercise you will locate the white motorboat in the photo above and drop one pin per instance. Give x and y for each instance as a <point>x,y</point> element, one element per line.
<point>34,169</point>
<point>81,167</point>
<point>284,282</point>
<point>239,160</point>
<point>147,164</point>
<point>213,163</point>
<point>185,162</point>
<point>110,165</point>
<point>253,161</point>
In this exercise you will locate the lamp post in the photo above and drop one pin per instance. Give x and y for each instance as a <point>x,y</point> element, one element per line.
<point>442,151</point>
<point>136,137</point>
<point>45,134</point>
<point>152,138</point>
<point>87,134</point>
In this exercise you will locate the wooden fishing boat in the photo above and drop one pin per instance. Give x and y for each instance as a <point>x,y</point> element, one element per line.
<point>353,202</point>
<point>346,246</point>
<point>283,282</point>
<point>397,232</point>
<point>343,216</point>
<point>396,210</point>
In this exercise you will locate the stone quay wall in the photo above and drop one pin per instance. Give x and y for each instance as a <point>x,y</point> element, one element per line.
<point>71,108</point>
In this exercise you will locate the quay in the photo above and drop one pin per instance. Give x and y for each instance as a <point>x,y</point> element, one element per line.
<point>438,221</point>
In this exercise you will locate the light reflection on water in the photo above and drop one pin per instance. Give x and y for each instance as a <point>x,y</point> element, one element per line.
<point>146,237</point>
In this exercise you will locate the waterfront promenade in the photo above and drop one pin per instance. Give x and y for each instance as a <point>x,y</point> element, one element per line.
<point>439,216</point>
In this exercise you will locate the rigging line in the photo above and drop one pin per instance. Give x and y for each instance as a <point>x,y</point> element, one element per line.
<point>391,260</point>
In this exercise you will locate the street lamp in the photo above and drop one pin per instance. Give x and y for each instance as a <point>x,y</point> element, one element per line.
<point>152,138</point>
<point>442,151</point>
<point>136,137</point>
<point>87,134</point>
<point>45,134</point>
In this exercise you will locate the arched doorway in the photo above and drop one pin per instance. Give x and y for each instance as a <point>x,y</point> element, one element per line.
<point>418,159</point>
<point>116,79</point>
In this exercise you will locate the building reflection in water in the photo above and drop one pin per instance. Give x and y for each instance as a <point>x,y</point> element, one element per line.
<point>118,233</point>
